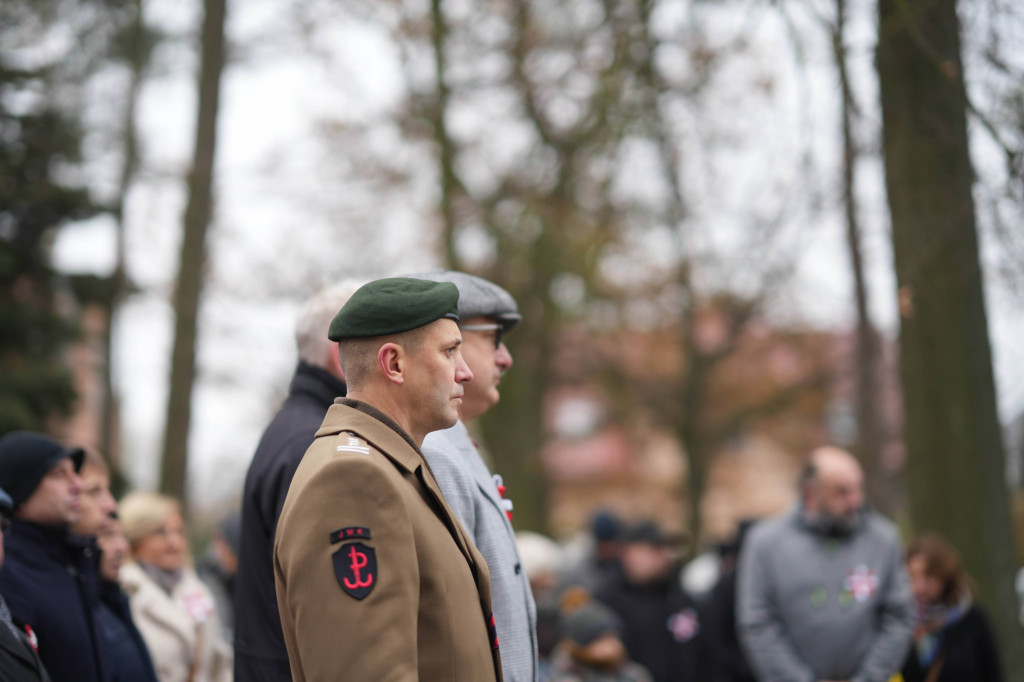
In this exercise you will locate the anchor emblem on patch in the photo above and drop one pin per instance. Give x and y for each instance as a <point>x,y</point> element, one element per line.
<point>355,567</point>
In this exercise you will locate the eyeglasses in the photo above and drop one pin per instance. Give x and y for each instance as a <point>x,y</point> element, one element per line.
<point>492,327</point>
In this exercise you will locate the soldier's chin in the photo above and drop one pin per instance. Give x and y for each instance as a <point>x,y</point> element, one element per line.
<point>449,419</point>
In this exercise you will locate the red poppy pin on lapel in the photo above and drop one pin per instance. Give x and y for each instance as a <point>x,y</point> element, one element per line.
<point>506,504</point>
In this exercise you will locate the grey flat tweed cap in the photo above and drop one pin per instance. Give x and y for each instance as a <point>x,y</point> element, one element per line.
<point>477,296</point>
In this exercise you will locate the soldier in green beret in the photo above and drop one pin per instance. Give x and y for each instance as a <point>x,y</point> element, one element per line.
<point>376,578</point>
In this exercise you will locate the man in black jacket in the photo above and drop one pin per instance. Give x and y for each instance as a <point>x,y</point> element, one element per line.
<point>260,652</point>
<point>127,654</point>
<point>661,624</point>
<point>19,662</point>
<point>49,577</point>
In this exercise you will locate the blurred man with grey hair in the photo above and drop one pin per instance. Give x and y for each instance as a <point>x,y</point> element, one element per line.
<point>260,652</point>
<point>486,313</point>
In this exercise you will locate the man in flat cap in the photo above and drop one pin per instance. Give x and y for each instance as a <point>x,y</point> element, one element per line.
<point>376,579</point>
<point>486,313</point>
<point>260,653</point>
<point>49,576</point>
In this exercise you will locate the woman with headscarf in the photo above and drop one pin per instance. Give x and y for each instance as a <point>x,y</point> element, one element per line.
<point>953,641</point>
<point>174,610</point>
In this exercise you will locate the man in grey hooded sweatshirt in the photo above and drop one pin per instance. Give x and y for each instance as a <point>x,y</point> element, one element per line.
<point>822,593</point>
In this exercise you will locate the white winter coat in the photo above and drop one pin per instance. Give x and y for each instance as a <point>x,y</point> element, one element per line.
<point>181,629</point>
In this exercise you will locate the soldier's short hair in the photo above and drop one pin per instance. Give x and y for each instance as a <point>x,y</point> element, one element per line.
<point>359,356</point>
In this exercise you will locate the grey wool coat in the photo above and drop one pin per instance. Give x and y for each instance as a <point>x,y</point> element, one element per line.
<point>471,492</point>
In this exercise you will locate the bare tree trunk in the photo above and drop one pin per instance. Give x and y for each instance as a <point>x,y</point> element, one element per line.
<point>515,429</point>
<point>445,146</point>
<point>692,392</point>
<point>952,432</point>
<point>193,252</point>
<point>870,438</point>
<point>137,57</point>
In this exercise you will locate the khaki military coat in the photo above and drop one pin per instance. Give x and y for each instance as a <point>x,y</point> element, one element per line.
<point>376,579</point>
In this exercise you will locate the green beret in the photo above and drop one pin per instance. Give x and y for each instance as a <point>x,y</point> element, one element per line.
<point>394,305</point>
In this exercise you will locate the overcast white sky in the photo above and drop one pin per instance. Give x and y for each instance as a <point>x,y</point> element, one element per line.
<point>271,243</point>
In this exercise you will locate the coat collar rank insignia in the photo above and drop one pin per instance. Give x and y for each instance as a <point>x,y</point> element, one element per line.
<point>353,444</point>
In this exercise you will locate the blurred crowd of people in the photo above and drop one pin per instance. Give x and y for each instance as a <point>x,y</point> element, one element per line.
<point>92,589</point>
<point>98,590</point>
<point>824,592</point>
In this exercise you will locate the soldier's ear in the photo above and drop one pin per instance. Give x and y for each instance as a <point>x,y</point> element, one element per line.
<point>392,361</point>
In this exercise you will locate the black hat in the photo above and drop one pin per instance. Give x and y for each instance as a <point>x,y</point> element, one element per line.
<point>394,305</point>
<point>589,622</point>
<point>650,533</point>
<point>605,525</point>
<point>26,457</point>
<point>478,297</point>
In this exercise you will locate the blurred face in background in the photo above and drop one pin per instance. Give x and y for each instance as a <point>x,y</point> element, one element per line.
<point>837,492</point>
<point>114,548</point>
<point>166,547</point>
<point>226,557</point>
<point>927,588</point>
<point>645,563</point>
<point>56,501</point>
<point>607,651</point>
<point>96,501</point>
<point>842,497</point>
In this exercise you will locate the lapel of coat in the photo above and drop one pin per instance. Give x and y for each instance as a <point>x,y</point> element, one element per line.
<point>484,479</point>
<point>476,562</point>
<point>17,648</point>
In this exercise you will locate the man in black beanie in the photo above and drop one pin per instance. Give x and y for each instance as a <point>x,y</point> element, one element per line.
<point>49,577</point>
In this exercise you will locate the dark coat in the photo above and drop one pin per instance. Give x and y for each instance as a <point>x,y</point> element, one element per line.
<point>661,626</point>
<point>127,655</point>
<point>50,584</point>
<point>260,653</point>
<point>726,659</point>
<point>968,653</point>
<point>18,661</point>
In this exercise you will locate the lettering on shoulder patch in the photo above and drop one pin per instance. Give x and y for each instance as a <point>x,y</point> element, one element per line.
<point>354,444</point>
<point>351,533</point>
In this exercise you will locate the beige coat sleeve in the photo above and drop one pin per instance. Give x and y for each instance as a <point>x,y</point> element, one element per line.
<point>330,634</point>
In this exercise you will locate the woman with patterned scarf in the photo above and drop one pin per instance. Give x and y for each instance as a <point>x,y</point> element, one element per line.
<point>953,641</point>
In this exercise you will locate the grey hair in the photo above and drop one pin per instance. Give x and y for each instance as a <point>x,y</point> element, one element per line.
<point>314,320</point>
